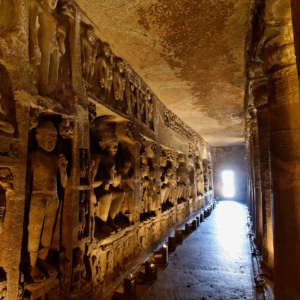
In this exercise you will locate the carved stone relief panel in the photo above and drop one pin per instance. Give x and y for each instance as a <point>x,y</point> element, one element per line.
<point>112,176</point>
<point>182,179</point>
<point>132,95</point>
<point>83,228</point>
<point>49,166</point>
<point>80,286</point>
<point>199,176</point>
<point>149,200</point>
<point>49,50</point>
<point>191,175</point>
<point>167,179</point>
<point>173,121</point>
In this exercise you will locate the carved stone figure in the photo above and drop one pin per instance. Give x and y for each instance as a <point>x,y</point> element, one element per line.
<point>89,49</point>
<point>6,178</point>
<point>84,167</point>
<point>119,79</point>
<point>83,212</point>
<point>44,167</point>
<point>21,286</point>
<point>66,128</point>
<point>105,64</point>
<point>144,190</point>
<point>126,184</point>
<point>46,44</point>
<point>199,176</point>
<point>134,103</point>
<point>97,273</point>
<point>105,179</point>
<point>92,113</point>
<point>182,179</point>
<point>79,271</point>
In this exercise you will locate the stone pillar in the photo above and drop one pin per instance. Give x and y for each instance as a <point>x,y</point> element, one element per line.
<point>283,102</point>
<point>257,181</point>
<point>251,194</point>
<point>259,89</point>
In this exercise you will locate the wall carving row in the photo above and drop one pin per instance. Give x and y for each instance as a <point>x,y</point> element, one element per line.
<point>83,172</point>
<point>175,123</point>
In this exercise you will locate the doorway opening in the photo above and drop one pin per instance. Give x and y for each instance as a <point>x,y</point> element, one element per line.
<point>228,184</point>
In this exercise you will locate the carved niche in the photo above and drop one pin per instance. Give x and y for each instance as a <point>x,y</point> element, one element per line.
<point>49,165</point>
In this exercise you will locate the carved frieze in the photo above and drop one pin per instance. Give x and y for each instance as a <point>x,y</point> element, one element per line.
<point>173,121</point>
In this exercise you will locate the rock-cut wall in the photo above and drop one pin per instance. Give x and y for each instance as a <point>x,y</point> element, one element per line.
<point>94,170</point>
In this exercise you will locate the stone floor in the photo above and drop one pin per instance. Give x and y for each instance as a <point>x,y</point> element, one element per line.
<point>213,262</point>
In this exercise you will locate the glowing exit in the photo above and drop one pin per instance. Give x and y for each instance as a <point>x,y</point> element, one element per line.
<point>228,184</point>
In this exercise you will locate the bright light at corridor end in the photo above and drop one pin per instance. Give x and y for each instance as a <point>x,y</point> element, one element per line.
<point>228,184</point>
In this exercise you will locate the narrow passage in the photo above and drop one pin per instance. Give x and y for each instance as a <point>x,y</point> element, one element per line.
<point>212,263</point>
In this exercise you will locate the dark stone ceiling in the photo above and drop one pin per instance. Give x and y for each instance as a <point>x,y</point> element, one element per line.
<point>189,52</point>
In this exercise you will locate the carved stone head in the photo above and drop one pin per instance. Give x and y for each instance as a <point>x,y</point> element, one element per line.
<point>52,3</point>
<point>46,136</point>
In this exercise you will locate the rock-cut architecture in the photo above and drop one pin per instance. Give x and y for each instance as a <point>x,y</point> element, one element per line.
<point>116,121</point>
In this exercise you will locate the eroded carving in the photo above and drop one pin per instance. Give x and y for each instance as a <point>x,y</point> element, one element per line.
<point>148,180</point>
<point>89,51</point>
<point>182,179</point>
<point>172,121</point>
<point>167,179</point>
<point>106,177</point>
<point>46,45</point>
<point>6,178</point>
<point>44,166</point>
<point>8,123</point>
<point>119,79</point>
<point>83,214</point>
<point>105,65</point>
<point>79,283</point>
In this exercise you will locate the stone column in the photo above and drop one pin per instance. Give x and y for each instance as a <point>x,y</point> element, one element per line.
<point>259,89</point>
<point>251,195</point>
<point>283,102</point>
<point>257,181</point>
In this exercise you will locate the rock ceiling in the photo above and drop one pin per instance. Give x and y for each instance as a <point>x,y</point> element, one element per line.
<point>189,52</point>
